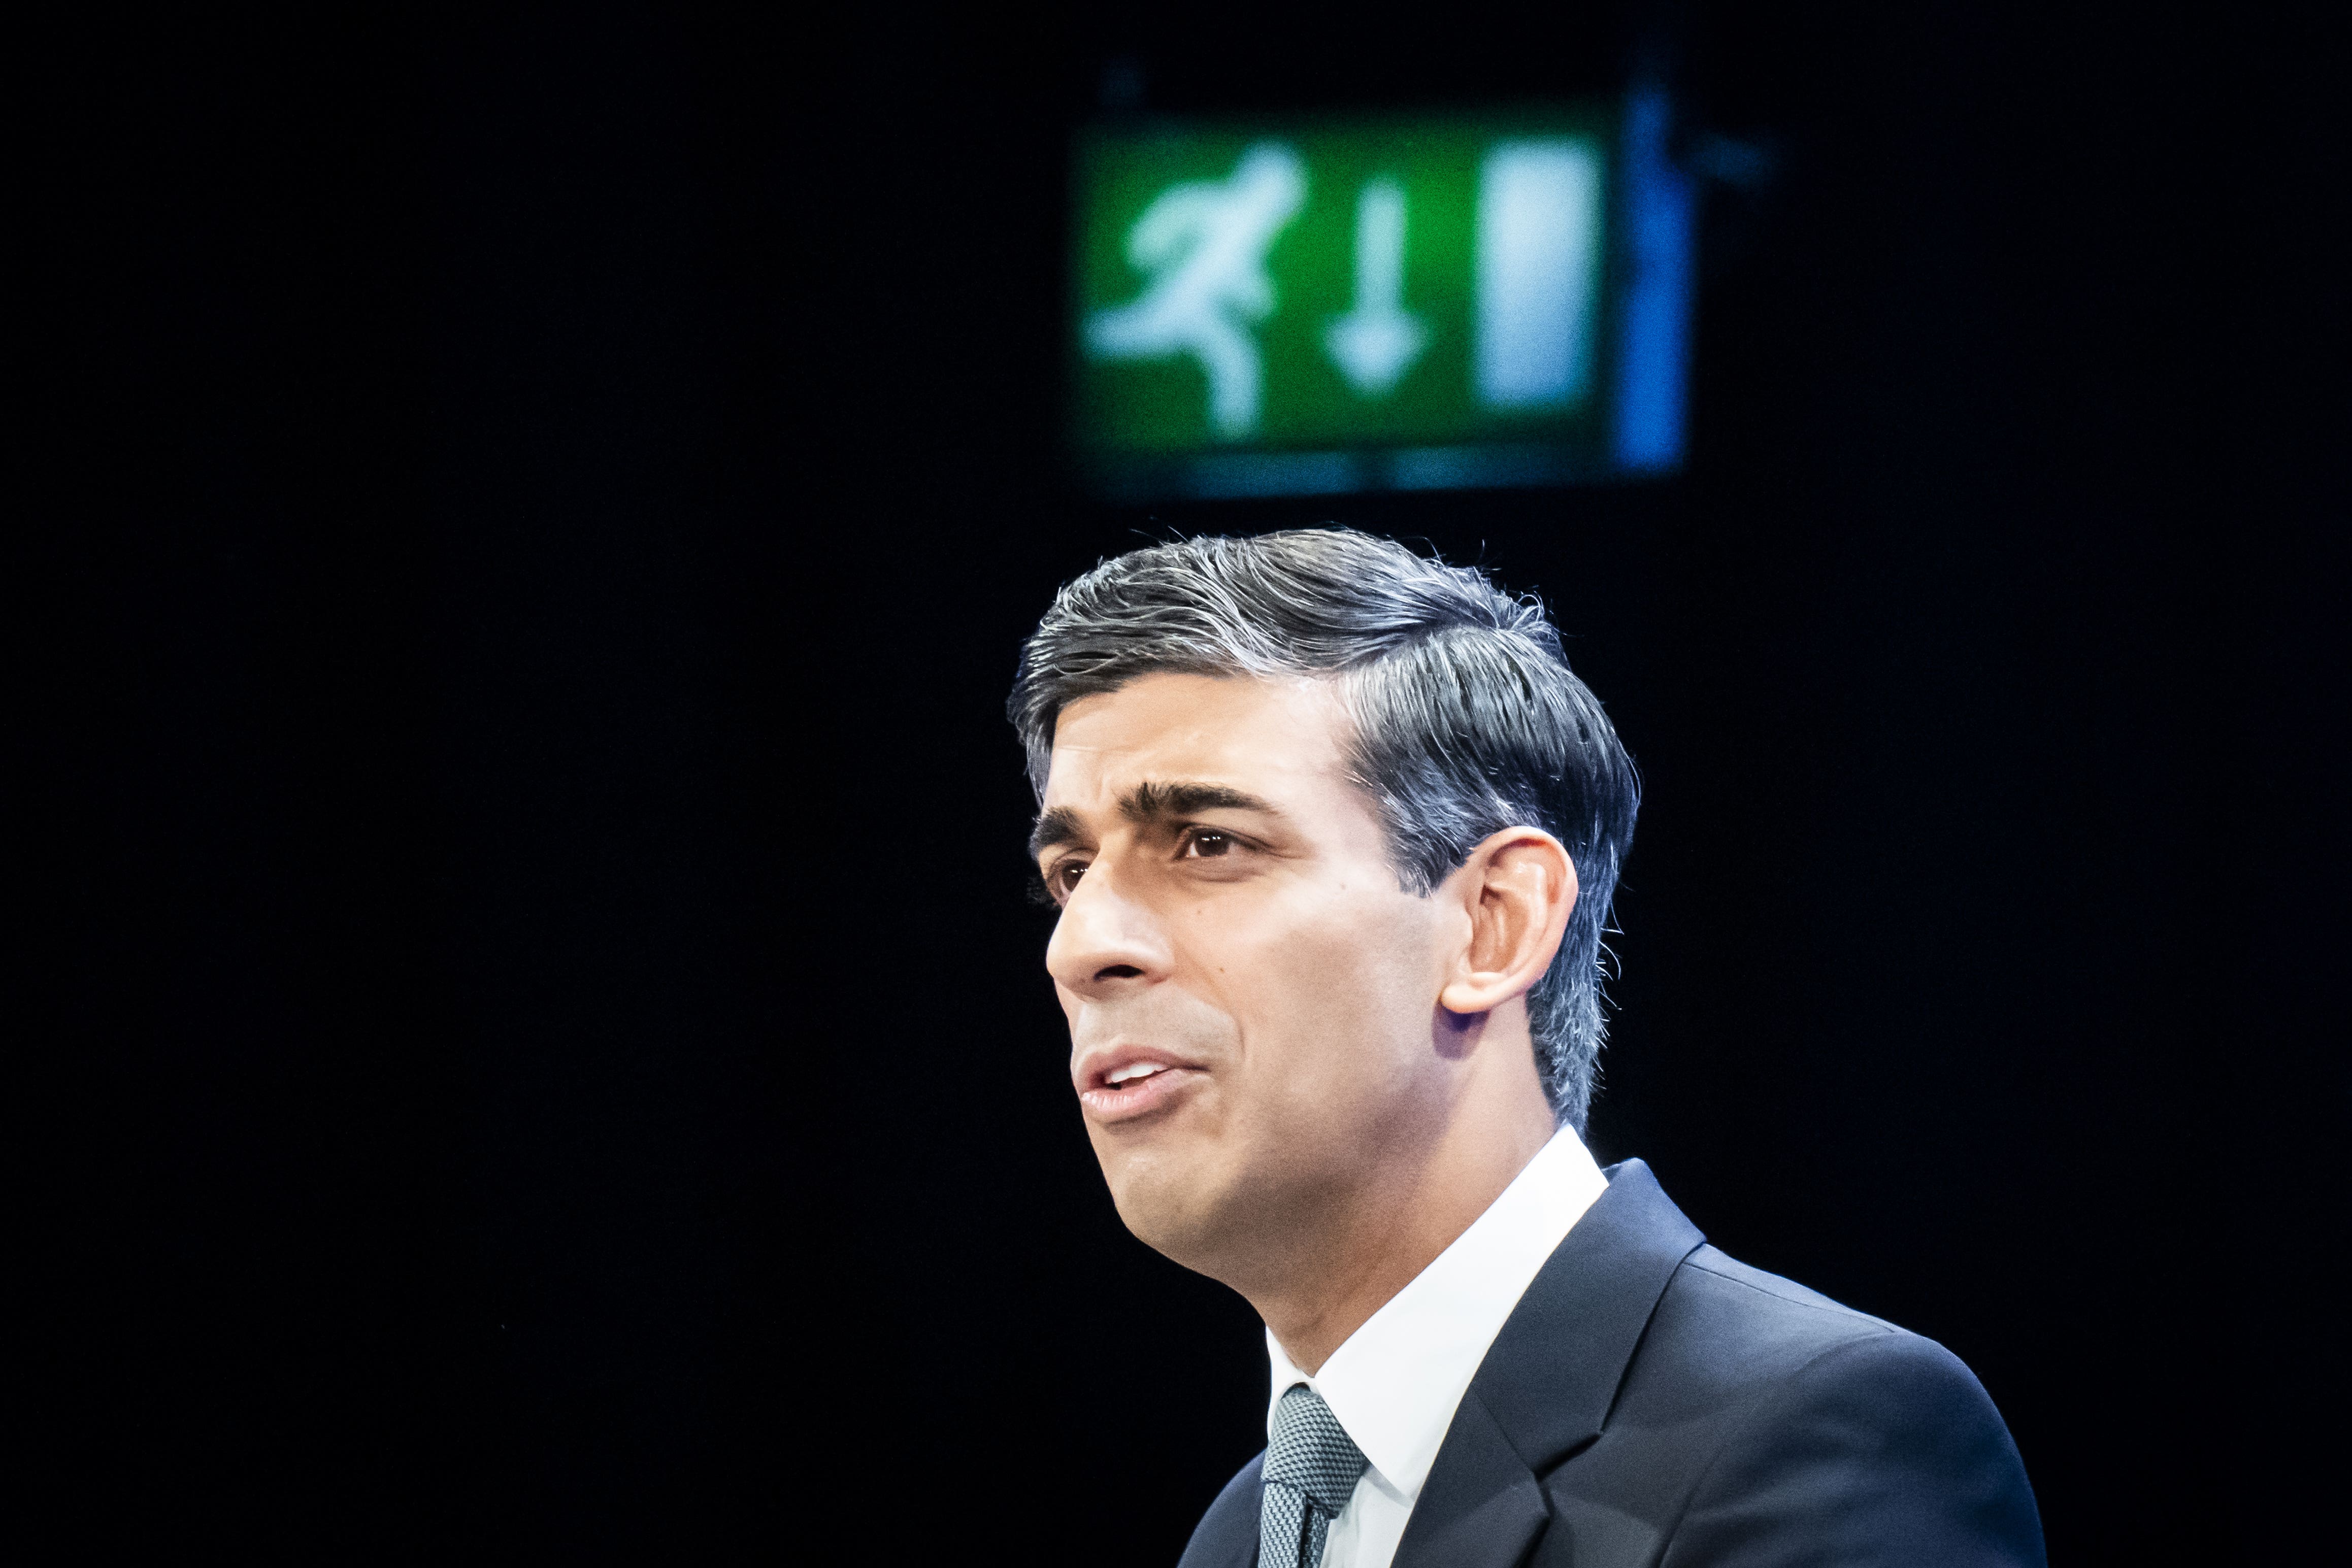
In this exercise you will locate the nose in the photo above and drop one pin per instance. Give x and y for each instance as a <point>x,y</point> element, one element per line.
<point>1106,941</point>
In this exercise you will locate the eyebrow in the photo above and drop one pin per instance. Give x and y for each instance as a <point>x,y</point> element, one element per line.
<point>1052,829</point>
<point>1148,802</point>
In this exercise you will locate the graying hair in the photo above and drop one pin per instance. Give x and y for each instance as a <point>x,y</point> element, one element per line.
<point>1466,717</point>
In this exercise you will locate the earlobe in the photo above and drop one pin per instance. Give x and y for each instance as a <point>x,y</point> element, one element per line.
<point>1518,888</point>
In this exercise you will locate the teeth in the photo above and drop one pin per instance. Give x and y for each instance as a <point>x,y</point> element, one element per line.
<point>1134,1069</point>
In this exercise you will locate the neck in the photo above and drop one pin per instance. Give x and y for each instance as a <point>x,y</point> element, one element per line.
<point>1390,1228</point>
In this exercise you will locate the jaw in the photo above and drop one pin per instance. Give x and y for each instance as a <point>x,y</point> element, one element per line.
<point>1173,1192</point>
<point>1251,1217</point>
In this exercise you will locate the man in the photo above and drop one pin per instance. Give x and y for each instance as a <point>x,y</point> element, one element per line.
<point>1334,830</point>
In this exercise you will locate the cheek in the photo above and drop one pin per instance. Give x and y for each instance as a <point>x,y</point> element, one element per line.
<point>1342,985</point>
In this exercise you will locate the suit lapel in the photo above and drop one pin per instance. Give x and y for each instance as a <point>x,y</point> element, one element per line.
<point>1481,1507</point>
<point>1550,1378</point>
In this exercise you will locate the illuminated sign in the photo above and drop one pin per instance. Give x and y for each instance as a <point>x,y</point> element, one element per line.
<point>1424,302</point>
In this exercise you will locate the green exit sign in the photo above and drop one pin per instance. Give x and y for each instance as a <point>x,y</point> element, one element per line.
<point>1341,304</point>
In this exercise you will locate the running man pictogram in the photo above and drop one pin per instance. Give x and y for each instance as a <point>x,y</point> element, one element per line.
<point>1203,244</point>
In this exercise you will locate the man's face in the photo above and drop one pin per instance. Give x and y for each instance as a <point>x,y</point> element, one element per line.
<point>1251,998</point>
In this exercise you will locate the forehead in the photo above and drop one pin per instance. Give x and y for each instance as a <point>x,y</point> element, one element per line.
<point>1272,737</point>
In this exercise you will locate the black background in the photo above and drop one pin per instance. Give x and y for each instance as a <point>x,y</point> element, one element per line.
<point>559,1049</point>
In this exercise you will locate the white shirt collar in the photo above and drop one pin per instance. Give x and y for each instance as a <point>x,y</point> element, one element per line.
<point>1396,1380</point>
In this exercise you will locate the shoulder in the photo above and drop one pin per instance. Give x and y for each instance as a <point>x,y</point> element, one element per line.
<point>1755,1350</point>
<point>1724,1324</point>
<point>1227,1533</point>
<point>1710,1283</point>
<point>1801,1418</point>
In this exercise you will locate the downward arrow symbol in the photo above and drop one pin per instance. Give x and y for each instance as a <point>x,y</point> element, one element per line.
<point>1376,342</point>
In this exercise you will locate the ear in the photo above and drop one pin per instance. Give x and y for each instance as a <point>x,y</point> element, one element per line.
<point>1517,888</point>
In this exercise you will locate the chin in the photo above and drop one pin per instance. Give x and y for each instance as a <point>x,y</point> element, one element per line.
<point>1176,1208</point>
<point>1230,1219</point>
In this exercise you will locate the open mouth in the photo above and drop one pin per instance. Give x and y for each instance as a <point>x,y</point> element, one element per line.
<point>1135,1088</point>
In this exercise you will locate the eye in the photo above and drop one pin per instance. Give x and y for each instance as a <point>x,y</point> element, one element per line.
<point>1062,878</point>
<point>1207,843</point>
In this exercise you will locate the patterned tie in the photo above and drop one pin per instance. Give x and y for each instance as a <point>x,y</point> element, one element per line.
<point>1311,1466</point>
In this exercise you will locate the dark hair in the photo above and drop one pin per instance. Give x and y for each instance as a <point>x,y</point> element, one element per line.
<point>1467,720</point>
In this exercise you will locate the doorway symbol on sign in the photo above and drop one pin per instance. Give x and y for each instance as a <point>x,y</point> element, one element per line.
<point>1377,343</point>
<point>1203,244</point>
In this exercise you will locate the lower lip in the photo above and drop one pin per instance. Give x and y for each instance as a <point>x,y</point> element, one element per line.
<point>1138,1096</point>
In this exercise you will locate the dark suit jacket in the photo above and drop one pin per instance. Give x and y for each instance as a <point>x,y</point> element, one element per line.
<point>1649,1401</point>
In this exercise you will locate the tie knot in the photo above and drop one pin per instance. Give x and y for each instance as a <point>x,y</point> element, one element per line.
<point>1311,1451</point>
